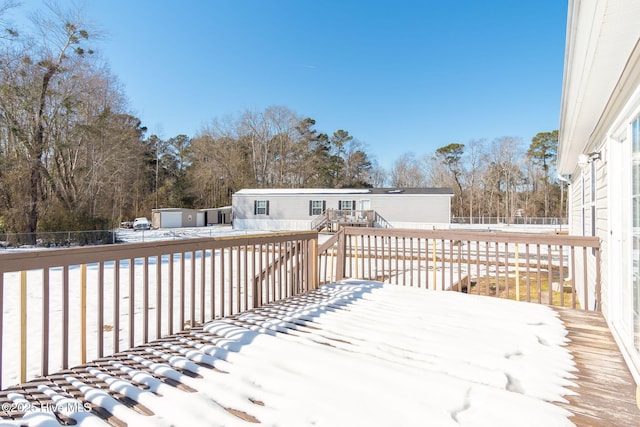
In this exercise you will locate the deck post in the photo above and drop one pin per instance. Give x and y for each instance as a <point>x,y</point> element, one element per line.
<point>312,264</point>
<point>435,270</point>
<point>23,326</point>
<point>83,313</point>
<point>341,255</point>
<point>598,305</point>
<point>1,321</point>
<point>517,273</point>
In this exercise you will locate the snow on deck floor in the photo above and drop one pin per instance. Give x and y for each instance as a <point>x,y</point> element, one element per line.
<point>354,353</point>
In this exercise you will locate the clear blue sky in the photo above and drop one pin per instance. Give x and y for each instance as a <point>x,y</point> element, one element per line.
<point>400,76</point>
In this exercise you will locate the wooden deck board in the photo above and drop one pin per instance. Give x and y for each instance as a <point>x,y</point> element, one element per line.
<point>605,390</point>
<point>603,394</point>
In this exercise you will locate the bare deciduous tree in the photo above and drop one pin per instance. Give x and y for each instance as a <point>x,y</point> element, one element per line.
<point>475,160</point>
<point>407,172</point>
<point>64,130</point>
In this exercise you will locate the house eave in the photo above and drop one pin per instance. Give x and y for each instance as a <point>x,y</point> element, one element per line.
<point>600,39</point>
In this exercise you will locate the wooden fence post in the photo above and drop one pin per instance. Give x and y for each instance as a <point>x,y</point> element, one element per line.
<point>83,313</point>
<point>312,264</point>
<point>435,287</point>
<point>23,326</point>
<point>341,255</point>
<point>517,273</point>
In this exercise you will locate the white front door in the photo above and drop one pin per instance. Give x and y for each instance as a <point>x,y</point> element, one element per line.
<point>365,205</point>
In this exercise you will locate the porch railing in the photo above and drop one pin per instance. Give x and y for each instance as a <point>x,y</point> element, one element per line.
<point>60,308</point>
<point>319,222</point>
<point>338,218</point>
<point>544,268</point>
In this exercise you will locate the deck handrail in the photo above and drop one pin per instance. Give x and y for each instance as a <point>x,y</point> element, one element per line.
<point>319,222</point>
<point>162,287</point>
<point>534,267</point>
<point>137,292</point>
<point>382,221</point>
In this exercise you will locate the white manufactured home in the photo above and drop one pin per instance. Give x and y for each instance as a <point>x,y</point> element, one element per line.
<point>326,208</point>
<point>599,153</point>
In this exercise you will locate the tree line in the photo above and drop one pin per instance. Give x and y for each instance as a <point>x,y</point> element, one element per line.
<point>501,178</point>
<point>73,157</point>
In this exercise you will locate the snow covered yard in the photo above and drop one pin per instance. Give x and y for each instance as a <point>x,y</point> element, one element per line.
<point>352,353</point>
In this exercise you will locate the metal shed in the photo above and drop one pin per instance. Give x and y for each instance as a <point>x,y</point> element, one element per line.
<point>176,218</point>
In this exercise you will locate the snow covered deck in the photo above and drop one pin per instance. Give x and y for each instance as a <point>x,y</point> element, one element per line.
<point>353,353</point>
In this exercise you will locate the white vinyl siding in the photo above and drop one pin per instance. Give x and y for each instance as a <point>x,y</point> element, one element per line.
<point>292,211</point>
<point>575,220</point>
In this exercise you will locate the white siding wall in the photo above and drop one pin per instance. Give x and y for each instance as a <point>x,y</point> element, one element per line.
<point>575,216</point>
<point>291,211</point>
<point>270,224</point>
<point>582,220</point>
<point>406,209</point>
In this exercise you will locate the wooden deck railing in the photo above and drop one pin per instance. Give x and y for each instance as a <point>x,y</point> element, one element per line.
<point>334,219</point>
<point>543,268</point>
<point>60,308</point>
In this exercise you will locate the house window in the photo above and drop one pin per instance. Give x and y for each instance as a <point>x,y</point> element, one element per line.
<point>317,207</point>
<point>261,207</point>
<point>346,205</point>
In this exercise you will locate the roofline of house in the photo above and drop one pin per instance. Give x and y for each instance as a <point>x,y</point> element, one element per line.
<point>338,191</point>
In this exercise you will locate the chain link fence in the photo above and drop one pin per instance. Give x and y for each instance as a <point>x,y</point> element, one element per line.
<point>509,220</point>
<point>58,239</point>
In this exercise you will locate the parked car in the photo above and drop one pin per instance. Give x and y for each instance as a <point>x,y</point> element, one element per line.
<point>126,224</point>
<point>141,223</point>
